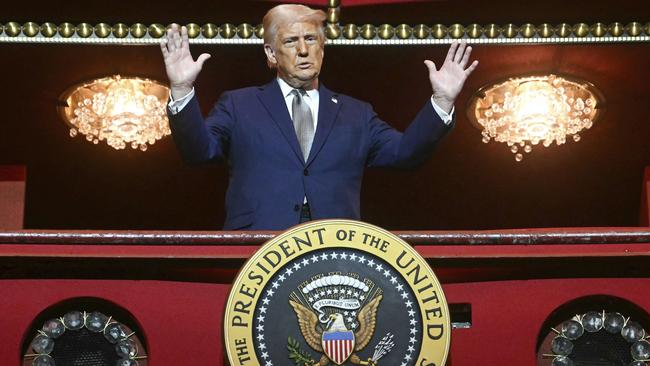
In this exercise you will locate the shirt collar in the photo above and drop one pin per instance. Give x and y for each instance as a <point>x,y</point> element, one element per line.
<point>286,89</point>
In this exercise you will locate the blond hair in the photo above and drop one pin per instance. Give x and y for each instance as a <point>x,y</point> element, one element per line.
<point>289,14</point>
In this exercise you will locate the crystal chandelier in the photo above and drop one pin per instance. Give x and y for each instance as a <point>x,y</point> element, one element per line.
<point>526,111</point>
<point>122,111</point>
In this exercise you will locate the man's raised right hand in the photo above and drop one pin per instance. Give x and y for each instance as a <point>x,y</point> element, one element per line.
<point>181,68</point>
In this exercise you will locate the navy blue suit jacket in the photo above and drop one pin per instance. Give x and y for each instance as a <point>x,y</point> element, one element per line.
<point>252,131</point>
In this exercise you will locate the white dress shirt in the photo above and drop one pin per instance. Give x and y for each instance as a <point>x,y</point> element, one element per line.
<point>311,98</point>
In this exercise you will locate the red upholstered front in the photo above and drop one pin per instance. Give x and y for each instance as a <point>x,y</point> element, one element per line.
<point>175,285</point>
<point>12,196</point>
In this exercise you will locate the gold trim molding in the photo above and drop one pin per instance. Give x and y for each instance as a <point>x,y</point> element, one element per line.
<point>349,34</point>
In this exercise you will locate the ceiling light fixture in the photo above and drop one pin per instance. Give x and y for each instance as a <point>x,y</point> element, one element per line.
<point>526,111</point>
<point>119,110</point>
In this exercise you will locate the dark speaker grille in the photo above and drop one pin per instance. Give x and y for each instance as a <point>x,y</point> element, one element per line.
<point>83,348</point>
<point>601,349</point>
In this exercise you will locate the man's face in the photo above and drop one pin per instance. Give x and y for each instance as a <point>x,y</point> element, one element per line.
<point>298,53</point>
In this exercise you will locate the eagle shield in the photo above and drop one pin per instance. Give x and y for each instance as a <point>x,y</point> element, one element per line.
<point>338,345</point>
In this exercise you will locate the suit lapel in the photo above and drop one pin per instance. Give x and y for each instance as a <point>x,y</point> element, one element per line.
<point>273,100</point>
<point>328,108</point>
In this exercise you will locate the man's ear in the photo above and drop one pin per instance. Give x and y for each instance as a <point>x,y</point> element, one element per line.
<point>270,55</point>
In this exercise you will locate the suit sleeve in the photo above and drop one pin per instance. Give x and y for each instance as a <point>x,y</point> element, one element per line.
<point>202,140</point>
<point>410,149</point>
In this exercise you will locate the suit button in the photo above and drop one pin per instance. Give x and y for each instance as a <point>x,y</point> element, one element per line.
<point>305,172</point>
<point>296,208</point>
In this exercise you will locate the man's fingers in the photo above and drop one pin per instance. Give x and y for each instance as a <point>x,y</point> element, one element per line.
<point>460,51</point>
<point>163,47</point>
<point>171,46</point>
<point>177,39</point>
<point>451,52</point>
<point>471,68</point>
<point>202,59</point>
<point>185,39</point>
<point>430,65</point>
<point>468,51</point>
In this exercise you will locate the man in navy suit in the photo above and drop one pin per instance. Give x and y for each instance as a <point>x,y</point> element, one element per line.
<point>296,150</point>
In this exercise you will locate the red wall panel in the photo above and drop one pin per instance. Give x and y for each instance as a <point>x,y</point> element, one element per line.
<point>181,321</point>
<point>175,285</point>
<point>12,196</point>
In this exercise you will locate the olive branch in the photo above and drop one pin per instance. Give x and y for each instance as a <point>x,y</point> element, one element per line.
<point>297,355</point>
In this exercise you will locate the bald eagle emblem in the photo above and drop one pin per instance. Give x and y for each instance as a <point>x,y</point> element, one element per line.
<point>337,316</point>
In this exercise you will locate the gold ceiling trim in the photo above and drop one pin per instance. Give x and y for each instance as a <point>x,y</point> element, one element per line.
<point>350,34</point>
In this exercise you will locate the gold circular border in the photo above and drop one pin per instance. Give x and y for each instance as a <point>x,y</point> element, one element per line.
<point>245,292</point>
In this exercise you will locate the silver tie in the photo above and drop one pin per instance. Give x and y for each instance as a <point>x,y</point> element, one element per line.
<point>302,121</point>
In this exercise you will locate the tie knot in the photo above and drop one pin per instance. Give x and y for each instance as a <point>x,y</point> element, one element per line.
<point>297,92</point>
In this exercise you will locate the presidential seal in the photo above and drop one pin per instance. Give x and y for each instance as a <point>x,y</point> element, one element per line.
<point>336,292</point>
